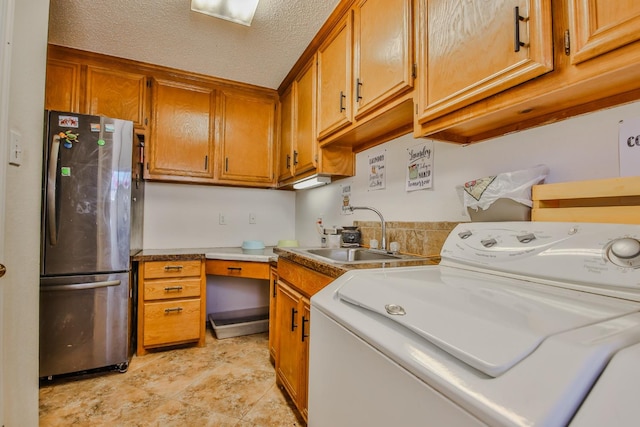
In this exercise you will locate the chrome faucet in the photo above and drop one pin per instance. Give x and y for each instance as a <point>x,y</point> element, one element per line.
<point>384,233</point>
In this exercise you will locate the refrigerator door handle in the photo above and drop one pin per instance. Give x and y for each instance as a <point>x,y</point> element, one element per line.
<point>52,181</point>
<point>81,286</point>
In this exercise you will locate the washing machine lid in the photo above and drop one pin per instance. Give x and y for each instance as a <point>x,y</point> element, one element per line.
<point>489,322</point>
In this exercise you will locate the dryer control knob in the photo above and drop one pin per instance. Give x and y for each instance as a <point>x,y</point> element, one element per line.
<point>625,248</point>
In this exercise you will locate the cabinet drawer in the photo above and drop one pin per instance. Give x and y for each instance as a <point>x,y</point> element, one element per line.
<point>171,322</point>
<point>161,269</point>
<point>170,289</point>
<point>246,269</point>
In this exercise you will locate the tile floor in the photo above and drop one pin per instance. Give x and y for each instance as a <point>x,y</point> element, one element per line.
<point>228,382</point>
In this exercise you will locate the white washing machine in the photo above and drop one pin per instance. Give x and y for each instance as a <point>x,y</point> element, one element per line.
<point>521,324</point>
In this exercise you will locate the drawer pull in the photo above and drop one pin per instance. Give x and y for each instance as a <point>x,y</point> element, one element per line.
<point>234,268</point>
<point>172,310</point>
<point>173,288</point>
<point>172,267</point>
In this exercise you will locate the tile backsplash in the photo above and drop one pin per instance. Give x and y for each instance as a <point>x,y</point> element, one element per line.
<point>418,238</point>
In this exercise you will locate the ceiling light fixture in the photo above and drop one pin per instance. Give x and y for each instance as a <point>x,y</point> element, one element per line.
<point>238,11</point>
<point>313,181</point>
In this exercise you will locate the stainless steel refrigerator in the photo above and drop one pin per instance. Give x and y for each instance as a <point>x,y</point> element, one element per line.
<point>87,215</point>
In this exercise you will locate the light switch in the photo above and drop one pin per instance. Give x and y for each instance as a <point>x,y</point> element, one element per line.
<point>252,218</point>
<point>15,149</point>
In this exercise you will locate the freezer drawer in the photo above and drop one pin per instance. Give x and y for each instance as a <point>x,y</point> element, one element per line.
<point>84,323</point>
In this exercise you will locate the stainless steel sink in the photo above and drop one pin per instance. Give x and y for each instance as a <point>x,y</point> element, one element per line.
<point>354,255</point>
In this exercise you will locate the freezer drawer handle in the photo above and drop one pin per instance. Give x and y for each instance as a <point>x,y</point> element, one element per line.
<point>173,288</point>
<point>172,267</point>
<point>52,182</point>
<point>81,286</point>
<point>172,310</point>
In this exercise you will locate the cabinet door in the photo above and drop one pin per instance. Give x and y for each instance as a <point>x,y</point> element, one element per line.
<point>181,146</point>
<point>599,26</point>
<point>285,166</point>
<point>468,50</point>
<point>288,363</point>
<point>383,46</point>
<point>62,86</point>
<point>305,324</point>
<point>305,114</point>
<point>334,79</point>
<point>117,94</point>
<point>246,139</point>
<point>273,298</point>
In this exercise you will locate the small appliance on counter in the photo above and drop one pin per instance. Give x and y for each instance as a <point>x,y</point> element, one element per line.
<point>350,236</point>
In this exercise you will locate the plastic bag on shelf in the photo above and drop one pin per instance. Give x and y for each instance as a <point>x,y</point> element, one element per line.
<point>508,187</point>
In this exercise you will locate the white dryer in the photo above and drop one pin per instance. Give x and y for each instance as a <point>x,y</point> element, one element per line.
<point>515,327</point>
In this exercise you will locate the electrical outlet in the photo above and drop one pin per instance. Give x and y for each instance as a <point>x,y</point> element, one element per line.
<point>252,218</point>
<point>222,219</point>
<point>15,149</point>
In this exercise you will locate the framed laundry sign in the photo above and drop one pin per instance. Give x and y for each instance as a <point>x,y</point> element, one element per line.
<point>377,180</point>
<point>420,167</point>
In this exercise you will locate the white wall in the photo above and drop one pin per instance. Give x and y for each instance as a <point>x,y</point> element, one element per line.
<point>585,147</point>
<point>19,311</point>
<point>187,216</point>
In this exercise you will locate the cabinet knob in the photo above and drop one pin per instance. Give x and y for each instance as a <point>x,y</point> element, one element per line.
<point>3,270</point>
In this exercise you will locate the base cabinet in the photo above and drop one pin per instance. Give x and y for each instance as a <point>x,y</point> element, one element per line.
<point>273,287</point>
<point>295,286</point>
<point>171,304</point>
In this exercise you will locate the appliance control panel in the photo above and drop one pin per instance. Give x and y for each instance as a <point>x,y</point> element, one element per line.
<point>603,255</point>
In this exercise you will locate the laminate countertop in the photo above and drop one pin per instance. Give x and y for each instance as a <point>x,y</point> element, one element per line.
<point>271,254</point>
<point>336,269</point>
<point>223,253</point>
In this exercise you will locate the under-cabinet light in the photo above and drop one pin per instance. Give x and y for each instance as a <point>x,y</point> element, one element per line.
<point>314,181</point>
<point>238,11</point>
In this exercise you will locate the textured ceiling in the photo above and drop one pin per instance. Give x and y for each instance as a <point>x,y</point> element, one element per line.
<point>168,33</point>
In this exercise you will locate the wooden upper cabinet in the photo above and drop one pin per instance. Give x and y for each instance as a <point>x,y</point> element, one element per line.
<point>298,143</point>
<point>305,139</point>
<point>334,79</point>
<point>471,50</point>
<point>383,52</point>
<point>600,26</point>
<point>246,138</point>
<point>62,91</point>
<point>285,166</point>
<point>182,130</point>
<point>117,94</point>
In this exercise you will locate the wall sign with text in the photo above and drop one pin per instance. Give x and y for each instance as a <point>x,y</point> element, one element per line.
<point>420,167</point>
